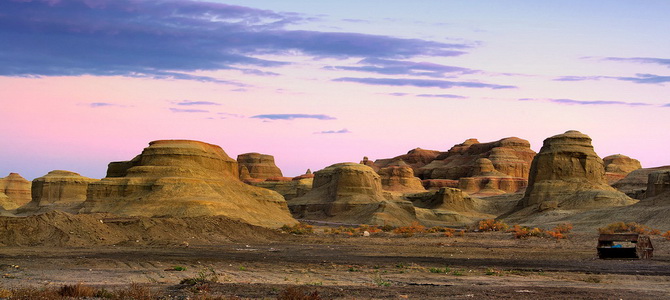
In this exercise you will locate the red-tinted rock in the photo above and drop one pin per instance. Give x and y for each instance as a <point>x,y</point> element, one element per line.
<point>260,166</point>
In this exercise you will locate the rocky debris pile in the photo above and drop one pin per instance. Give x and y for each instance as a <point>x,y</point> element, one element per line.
<point>14,191</point>
<point>635,183</point>
<point>568,174</point>
<point>400,179</point>
<point>257,166</point>
<point>183,178</point>
<point>617,166</point>
<point>58,189</point>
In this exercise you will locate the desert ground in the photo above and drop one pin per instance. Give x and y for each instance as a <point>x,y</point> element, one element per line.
<point>271,265</point>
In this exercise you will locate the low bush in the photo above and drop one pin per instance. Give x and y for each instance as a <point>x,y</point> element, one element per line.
<point>300,228</point>
<point>632,227</point>
<point>492,225</point>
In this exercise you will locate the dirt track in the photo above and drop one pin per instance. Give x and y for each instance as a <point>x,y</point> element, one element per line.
<point>479,265</point>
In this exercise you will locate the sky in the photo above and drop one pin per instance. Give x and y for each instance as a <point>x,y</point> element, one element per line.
<point>313,83</point>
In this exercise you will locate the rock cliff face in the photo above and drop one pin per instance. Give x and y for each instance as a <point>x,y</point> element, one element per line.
<point>14,191</point>
<point>487,181</point>
<point>415,159</point>
<point>658,183</point>
<point>289,188</point>
<point>618,166</point>
<point>568,174</point>
<point>635,183</point>
<point>62,190</point>
<point>351,193</point>
<point>184,178</point>
<point>400,179</point>
<point>509,156</point>
<point>259,166</point>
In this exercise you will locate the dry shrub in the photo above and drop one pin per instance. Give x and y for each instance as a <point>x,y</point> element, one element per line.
<point>300,228</point>
<point>78,290</point>
<point>492,225</point>
<point>561,231</point>
<point>298,293</point>
<point>31,293</point>
<point>621,227</point>
<point>666,235</point>
<point>136,292</point>
<point>410,230</point>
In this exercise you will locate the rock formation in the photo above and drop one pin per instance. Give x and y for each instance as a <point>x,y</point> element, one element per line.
<point>510,156</point>
<point>618,166</point>
<point>635,183</point>
<point>415,158</point>
<point>658,183</point>
<point>184,178</point>
<point>259,166</point>
<point>568,174</point>
<point>400,179</point>
<point>62,190</point>
<point>289,189</point>
<point>487,181</point>
<point>14,191</point>
<point>351,193</point>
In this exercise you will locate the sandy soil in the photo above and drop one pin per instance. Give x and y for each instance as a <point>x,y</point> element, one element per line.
<point>474,266</point>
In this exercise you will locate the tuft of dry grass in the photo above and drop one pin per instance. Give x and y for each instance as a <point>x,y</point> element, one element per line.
<point>78,290</point>
<point>298,293</point>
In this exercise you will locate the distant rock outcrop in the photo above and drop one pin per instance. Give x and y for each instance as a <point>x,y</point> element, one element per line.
<point>617,166</point>
<point>14,191</point>
<point>509,156</point>
<point>400,179</point>
<point>487,181</point>
<point>635,183</point>
<point>568,174</point>
<point>259,166</point>
<point>658,183</point>
<point>184,178</point>
<point>415,159</point>
<point>351,193</point>
<point>62,190</point>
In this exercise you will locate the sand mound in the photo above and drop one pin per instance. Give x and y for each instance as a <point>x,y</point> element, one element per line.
<point>62,229</point>
<point>184,179</point>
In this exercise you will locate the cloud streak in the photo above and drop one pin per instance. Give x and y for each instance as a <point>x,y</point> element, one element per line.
<point>189,103</point>
<point>399,67</point>
<point>588,102</point>
<point>430,83</point>
<point>173,39</point>
<point>180,110</point>
<point>341,131</point>
<point>638,78</point>
<point>293,117</point>
<point>448,96</point>
<point>642,60</point>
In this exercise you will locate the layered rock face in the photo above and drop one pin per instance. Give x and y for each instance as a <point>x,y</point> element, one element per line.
<point>258,166</point>
<point>14,191</point>
<point>289,188</point>
<point>635,183</point>
<point>62,190</point>
<point>415,159</point>
<point>509,156</point>
<point>487,181</point>
<point>567,173</point>
<point>400,179</point>
<point>184,178</point>
<point>658,183</point>
<point>618,166</point>
<point>351,193</point>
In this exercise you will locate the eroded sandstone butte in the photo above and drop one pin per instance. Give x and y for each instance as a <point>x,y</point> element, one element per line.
<point>415,159</point>
<point>184,178</point>
<point>617,166</point>
<point>58,189</point>
<point>568,174</point>
<point>14,191</point>
<point>400,179</point>
<point>258,166</point>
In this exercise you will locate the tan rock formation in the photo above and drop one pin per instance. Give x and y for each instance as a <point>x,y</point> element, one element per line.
<point>289,189</point>
<point>658,183</point>
<point>568,173</point>
<point>259,166</point>
<point>487,181</point>
<point>400,179</point>
<point>351,193</point>
<point>415,158</point>
<point>62,190</point>
<point>618,166</point>
<point>436,184</point>
<point>509,156</point>
<point>184,178</point>
<point>14,191</point>
<point>635,183</point>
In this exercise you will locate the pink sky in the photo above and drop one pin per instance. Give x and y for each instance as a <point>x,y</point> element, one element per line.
<point>326,84</point>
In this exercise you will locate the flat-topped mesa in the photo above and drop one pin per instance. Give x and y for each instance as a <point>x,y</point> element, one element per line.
<point>184,178</point>
<point>567,173</point>
<point>510,156</point>
<point>415,158</point>
<point>400,179</point>
<point>617,166</point>
<point>58,189</point>
<point>260,166</point>
<point>14,191</point>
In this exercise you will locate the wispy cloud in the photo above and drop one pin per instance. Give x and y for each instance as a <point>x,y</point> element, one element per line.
<point>104,104</point>
<point>179,110</point>
<point>643,60</point>
<point>645,78</point>
<point>189,102</point>
<point>292,117</point>
<point>334,131</point>
<point>587,102</point>
<point>578,78</point>
<point>172,39</point>
<point>666,105</point>
<point>449,96</point>
<point>398,94</point>
<point>401,67</point>
<point>443,84</point>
